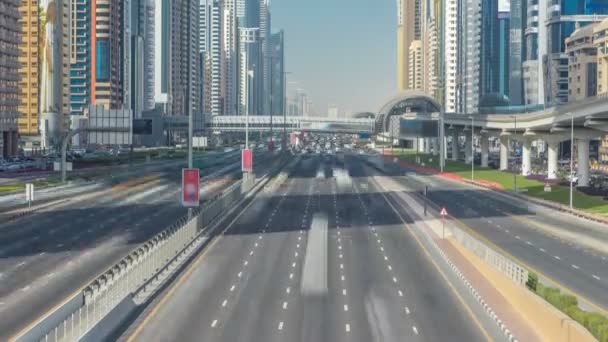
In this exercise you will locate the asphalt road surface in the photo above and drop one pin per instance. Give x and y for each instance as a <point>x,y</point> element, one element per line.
<point>46,257</point>
<point>524,234</point>
<point>321,259</point>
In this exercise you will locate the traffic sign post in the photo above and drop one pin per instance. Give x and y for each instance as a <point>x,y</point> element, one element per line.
<point>443,214</point>
<point>29,193</point>
<point>247,160</point>
<point>190,187</point>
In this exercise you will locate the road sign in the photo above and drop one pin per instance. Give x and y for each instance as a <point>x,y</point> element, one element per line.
<point>190,187</point>
<point>246,160</point>
<point>29,192</point>
<point>444,212</point>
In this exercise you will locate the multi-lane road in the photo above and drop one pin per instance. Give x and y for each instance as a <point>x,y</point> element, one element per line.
<point>323,258</point>
<point>50,254</point>
<point>558,246</point>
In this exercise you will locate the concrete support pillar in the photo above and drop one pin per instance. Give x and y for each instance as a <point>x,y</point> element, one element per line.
<point>504,153</point>
<point>526,157</point>
<point>552,159</point>
<point>583,162</point>
<point>455,147</point>
<point>421,145</point>
<point>468,156</point>
<point>485,150</point>
<point>427,145</point>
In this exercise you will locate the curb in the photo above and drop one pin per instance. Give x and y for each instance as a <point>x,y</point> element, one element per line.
<point>479,299</point>
<point>545,203</point>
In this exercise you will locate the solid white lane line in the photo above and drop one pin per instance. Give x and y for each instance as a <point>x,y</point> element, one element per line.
<point>214,323</point>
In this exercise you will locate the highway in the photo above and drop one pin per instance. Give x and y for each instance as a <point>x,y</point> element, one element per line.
<point>324,258</point>
<point>528,236</point>
<point>47,256</point>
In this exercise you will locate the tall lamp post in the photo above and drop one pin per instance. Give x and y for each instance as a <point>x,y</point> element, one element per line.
<point>509,144</point>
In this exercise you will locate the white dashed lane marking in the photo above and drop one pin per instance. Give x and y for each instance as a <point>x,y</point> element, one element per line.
<point>214,323</point>
<point>595,277</point>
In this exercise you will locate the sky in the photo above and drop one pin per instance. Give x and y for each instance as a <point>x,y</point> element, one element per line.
<point>341,52</point>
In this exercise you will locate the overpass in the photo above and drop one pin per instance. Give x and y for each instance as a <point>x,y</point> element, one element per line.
<point>586,120</point>
<point>257,123</point>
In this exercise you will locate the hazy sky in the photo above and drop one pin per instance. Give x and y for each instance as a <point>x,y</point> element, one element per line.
<point>341,52</point>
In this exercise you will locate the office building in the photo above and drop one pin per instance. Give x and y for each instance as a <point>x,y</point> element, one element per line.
<point>431,52</point>
<point>184,57</point>
<point>452,55</point>
<point>582,63</point>
<point>265,27</point>
<point>248,39</point>
<point>516,50</point>
<point>162,54</point>
<point>229,53</point>
<point>416,66</point>
<point>9,76</point>
<point>409,28</point>
<point>470,65</point>
<point>277,72</point>
<point>532,67</point>
<point>107,48</point>
<point>600,41</point>
<point>28,69</point>
<point>494,56</point>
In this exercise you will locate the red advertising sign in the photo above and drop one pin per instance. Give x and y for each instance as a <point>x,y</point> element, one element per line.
<point>190,187</point>
<point>247,160</point>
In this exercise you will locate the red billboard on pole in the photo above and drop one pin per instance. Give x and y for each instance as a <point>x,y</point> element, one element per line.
<point>247,160</point>
<point>190,187</point>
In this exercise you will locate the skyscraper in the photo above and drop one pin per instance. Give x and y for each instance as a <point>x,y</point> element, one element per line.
<point>452,55</point>
<point>28,69</point>
<point>277,72</point>
<point>9,76</point>
<point>229,53</point>
<point>516,50</point>
<point>162,53</point>
<point>409,28</point>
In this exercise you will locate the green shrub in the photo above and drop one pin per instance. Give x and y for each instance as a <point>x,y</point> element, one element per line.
<point>595,323</point>
<point>532,282</point>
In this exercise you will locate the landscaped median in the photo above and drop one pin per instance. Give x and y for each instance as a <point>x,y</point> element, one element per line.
<point>596,323</point>
<point>501,180</point>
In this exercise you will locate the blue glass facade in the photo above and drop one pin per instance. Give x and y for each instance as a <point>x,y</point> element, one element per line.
<point>102,58</point>
<point>494,64</point>
<point>80,66</point>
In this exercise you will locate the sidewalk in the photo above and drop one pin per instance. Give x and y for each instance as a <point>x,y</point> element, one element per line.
<point>503,309</point>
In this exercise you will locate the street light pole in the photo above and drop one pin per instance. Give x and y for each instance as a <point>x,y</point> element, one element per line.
<point>514,173</point>
<point>571,159</point>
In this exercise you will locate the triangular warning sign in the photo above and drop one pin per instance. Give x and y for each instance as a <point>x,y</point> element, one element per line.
<point>444,212</point>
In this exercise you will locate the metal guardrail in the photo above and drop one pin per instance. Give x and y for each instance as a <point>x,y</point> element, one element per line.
<point>111,295</point>
<point>116,286</point>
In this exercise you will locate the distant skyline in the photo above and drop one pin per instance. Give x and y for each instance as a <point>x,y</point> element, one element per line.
<point>341,52</point>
